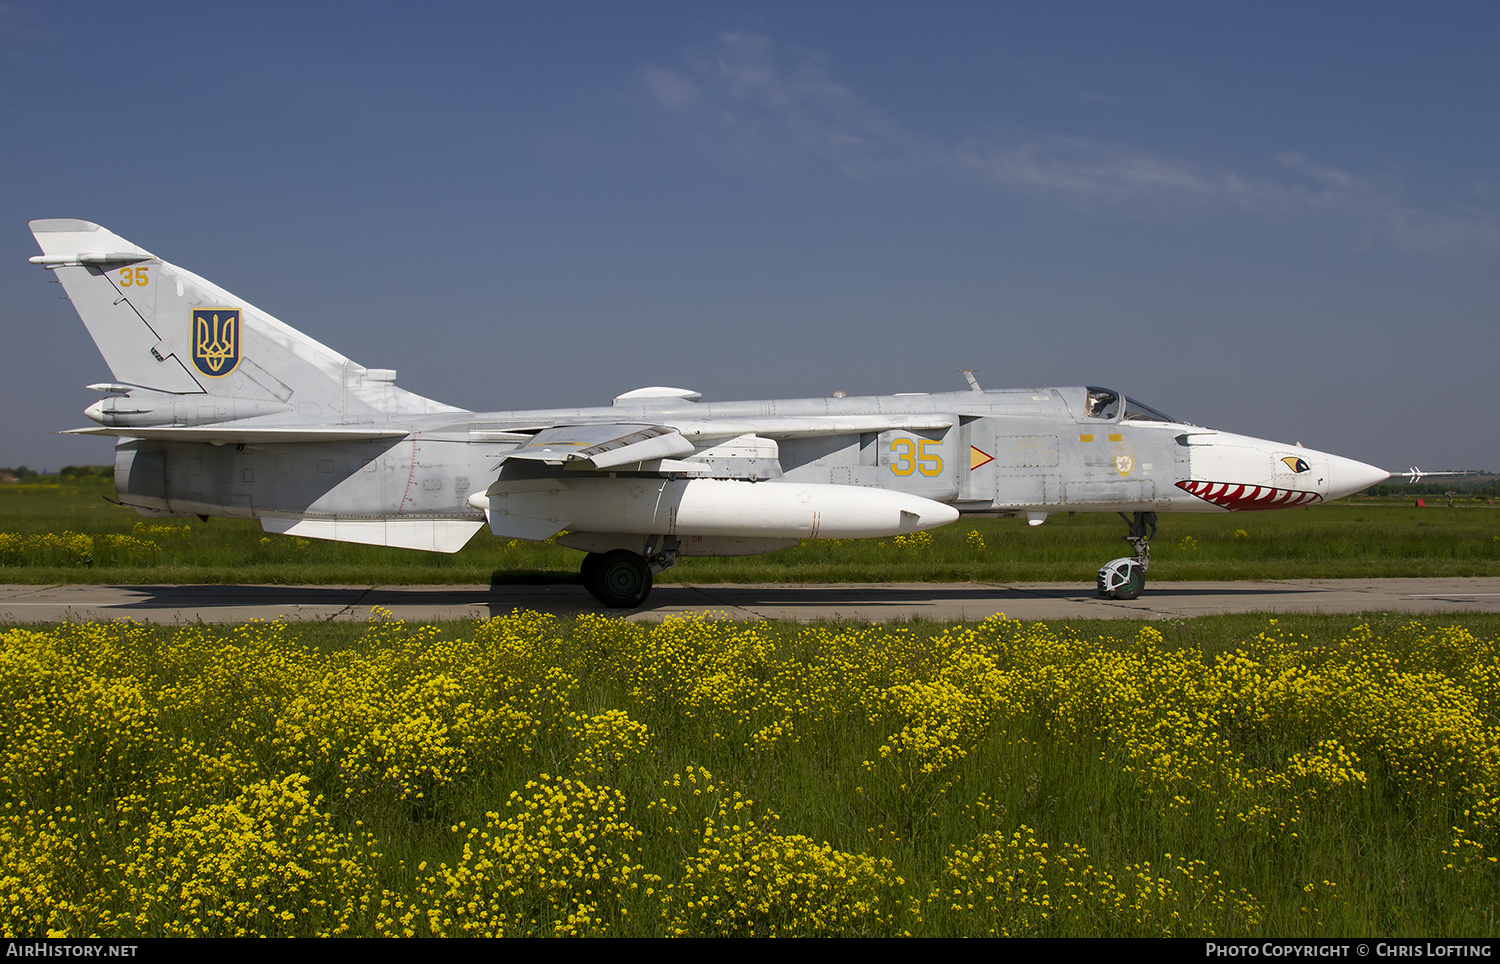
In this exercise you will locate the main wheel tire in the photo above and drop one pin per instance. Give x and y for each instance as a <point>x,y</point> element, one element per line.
<point>589,572</point>
<point>622,579</point>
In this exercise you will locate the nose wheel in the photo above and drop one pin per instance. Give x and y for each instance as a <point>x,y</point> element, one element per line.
<point>1125,578</point>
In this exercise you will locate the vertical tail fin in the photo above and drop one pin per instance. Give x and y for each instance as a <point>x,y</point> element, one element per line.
<point>164,329</point>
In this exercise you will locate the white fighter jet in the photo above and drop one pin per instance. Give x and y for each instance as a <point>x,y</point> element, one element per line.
<point>223,410</point>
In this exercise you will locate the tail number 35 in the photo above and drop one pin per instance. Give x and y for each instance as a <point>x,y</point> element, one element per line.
<point>913,455</point>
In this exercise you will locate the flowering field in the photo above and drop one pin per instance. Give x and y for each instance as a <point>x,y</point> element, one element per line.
<point>530,775</point>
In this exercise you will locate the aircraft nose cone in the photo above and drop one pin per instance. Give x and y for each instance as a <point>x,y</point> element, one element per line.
<point>1346,476</point>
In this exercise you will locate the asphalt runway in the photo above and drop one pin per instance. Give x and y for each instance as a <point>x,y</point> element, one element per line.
<point>805,603</point>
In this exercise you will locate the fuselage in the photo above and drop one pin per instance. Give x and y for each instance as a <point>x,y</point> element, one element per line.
<point>997,452</point>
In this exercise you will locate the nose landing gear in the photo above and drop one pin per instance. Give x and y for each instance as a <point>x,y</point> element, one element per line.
<point>1124,578</point>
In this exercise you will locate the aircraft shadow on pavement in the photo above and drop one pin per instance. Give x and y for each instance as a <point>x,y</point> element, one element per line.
<point>567,597</point>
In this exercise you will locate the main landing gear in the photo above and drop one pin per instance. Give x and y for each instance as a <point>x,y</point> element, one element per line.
<point>1124,578</point>
<point>620,578</point>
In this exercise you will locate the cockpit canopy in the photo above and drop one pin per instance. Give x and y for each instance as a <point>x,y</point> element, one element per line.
<point>1104,404</point>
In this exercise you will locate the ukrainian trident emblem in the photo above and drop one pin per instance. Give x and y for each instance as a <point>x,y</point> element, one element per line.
<point>216,340</point>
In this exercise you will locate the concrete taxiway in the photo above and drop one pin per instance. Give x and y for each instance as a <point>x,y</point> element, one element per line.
<point>805,603</point>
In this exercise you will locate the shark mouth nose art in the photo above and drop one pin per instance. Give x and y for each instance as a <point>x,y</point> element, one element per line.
<point>1237,497</point>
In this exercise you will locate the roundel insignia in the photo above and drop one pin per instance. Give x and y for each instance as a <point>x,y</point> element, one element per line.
<point>1296,464</point>
<point>216,340</point>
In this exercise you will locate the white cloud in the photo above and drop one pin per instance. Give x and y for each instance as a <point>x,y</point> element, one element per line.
<point>769,101</point>
<point>1437,234</point>
<point>765,100</point>
<point>669,89</point>
<point>1085,171</point>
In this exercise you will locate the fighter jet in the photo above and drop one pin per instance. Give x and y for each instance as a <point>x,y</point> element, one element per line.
<point>223,410</point>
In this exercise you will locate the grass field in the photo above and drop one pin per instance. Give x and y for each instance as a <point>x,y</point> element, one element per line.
<point>61,531</point>
<point>533,775</point>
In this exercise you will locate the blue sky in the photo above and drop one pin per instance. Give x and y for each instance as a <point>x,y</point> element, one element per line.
<point>1278,219</point>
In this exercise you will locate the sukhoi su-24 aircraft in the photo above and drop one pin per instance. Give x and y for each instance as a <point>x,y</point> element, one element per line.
<point>223,410</point>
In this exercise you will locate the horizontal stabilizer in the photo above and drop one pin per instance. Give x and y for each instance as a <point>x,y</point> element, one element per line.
<point>431,535</point>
